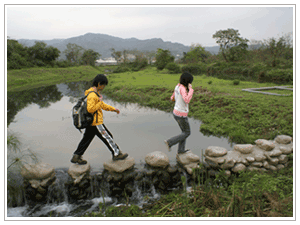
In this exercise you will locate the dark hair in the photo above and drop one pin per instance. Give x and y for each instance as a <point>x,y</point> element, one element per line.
<point>185,79</point>
<point>100,78</point>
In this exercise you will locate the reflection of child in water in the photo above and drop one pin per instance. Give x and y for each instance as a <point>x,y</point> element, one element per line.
<point>95,104</point>
<point>182,95</point>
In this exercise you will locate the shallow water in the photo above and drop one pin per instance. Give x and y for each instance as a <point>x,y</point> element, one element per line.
<point>41,120</point>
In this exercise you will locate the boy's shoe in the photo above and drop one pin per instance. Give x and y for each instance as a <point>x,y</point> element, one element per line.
<point>168,147</point>
<point>78,159</point>
<point>121,156</point>
<point>183,151</point>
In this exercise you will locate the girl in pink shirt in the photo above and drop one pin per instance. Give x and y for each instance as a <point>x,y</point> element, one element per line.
<point>182,96</point>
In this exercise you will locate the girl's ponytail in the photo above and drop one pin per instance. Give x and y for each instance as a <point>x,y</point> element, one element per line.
<point>185,79</point>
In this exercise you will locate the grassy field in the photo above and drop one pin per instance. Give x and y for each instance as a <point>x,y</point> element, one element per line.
<point>224,109</point>
<point>23,79</point>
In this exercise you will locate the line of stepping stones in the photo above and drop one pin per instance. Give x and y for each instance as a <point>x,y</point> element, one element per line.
<point>264,155</point>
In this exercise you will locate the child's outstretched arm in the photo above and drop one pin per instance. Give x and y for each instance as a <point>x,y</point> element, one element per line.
<point>107,107</point>
<point>173,97</point>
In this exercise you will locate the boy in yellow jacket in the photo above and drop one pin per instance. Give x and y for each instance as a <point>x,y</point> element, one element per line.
<point>96,105</point>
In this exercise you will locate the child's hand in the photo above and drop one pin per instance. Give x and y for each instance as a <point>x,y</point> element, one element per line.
<point>117,111</point>
<point>101,97</point>
<point>190,86</point>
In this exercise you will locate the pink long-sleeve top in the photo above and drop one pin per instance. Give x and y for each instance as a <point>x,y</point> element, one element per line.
<point>182,100</point>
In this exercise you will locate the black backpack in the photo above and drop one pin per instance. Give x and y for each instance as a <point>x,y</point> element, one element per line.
<point>81,117</point>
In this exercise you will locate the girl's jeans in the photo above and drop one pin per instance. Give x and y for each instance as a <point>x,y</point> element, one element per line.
<point>185,128</point>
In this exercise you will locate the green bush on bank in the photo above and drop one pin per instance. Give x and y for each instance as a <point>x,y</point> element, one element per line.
<point>279,76</point>
<point>173,68</point>
<point>122,69</point>
<point>195,69</point>
<point>258,72</point>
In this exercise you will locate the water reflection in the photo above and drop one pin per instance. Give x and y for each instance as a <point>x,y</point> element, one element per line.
<point>16,101</point>
<point>42,119</point>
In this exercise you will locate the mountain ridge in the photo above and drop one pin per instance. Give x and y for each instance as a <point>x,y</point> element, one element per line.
<point>102,43</point>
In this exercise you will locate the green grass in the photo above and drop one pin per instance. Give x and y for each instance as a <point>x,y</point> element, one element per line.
<point>224,109</point>
<point>23,79</point>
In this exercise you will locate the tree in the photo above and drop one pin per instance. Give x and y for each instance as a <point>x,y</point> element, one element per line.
<point>73,53</point>
<point>150,56</point>
<point>116,54</point>
<point>278,48</point>
<point>89,57</point>
<point>140,60</point>
<point>163,57</point>
<point>52,54</point>
<point>17,55</point>
<point>196,54</point>
<point>42,55</point>
<point>232,46</point>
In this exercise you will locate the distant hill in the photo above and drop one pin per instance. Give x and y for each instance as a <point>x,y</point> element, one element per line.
<point>102,44</point>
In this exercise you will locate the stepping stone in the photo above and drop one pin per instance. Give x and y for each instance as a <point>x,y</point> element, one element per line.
<point>77,172</point>
<point>244,148</point>
<point>283,139</point>
<point>187,158</point>
<point>37,171</point>
<point>119,166</point>
<point>265,144</point>
<point>189,161</point>
<point>215,151</point>
<point>157,159</point>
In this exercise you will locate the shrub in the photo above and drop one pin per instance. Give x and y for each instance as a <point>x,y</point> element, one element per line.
<point>261,77</point>
<point>122,69</point>
<point>236,82</point>
<point>195,69</point>
<point>280,76</point>
<point>139,64</point>
<point>62,64</point>
<point>256,69</point>
<point>173,67</point>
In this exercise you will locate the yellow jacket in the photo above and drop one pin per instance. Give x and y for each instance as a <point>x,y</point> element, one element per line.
<point>94,104</point>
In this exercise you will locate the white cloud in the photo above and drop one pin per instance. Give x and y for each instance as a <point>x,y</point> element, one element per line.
<point>183,24</point>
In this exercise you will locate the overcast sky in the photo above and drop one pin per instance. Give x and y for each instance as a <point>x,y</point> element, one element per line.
<point>183,24</point>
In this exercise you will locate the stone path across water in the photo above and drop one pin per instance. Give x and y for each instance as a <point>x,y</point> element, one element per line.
<point>120,177</point>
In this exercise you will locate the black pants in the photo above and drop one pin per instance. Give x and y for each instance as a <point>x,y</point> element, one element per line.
<point>103,133</point>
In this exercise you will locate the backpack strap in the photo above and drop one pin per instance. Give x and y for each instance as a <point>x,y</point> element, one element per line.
<point>91,92</point>
<point>96,110</point>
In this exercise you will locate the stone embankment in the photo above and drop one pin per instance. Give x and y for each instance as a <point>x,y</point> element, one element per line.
<point>264,155</point>
<point>121,178</point>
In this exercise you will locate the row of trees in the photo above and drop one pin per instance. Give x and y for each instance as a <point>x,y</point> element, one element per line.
<point>233,48</point>
<point>41,55</point>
